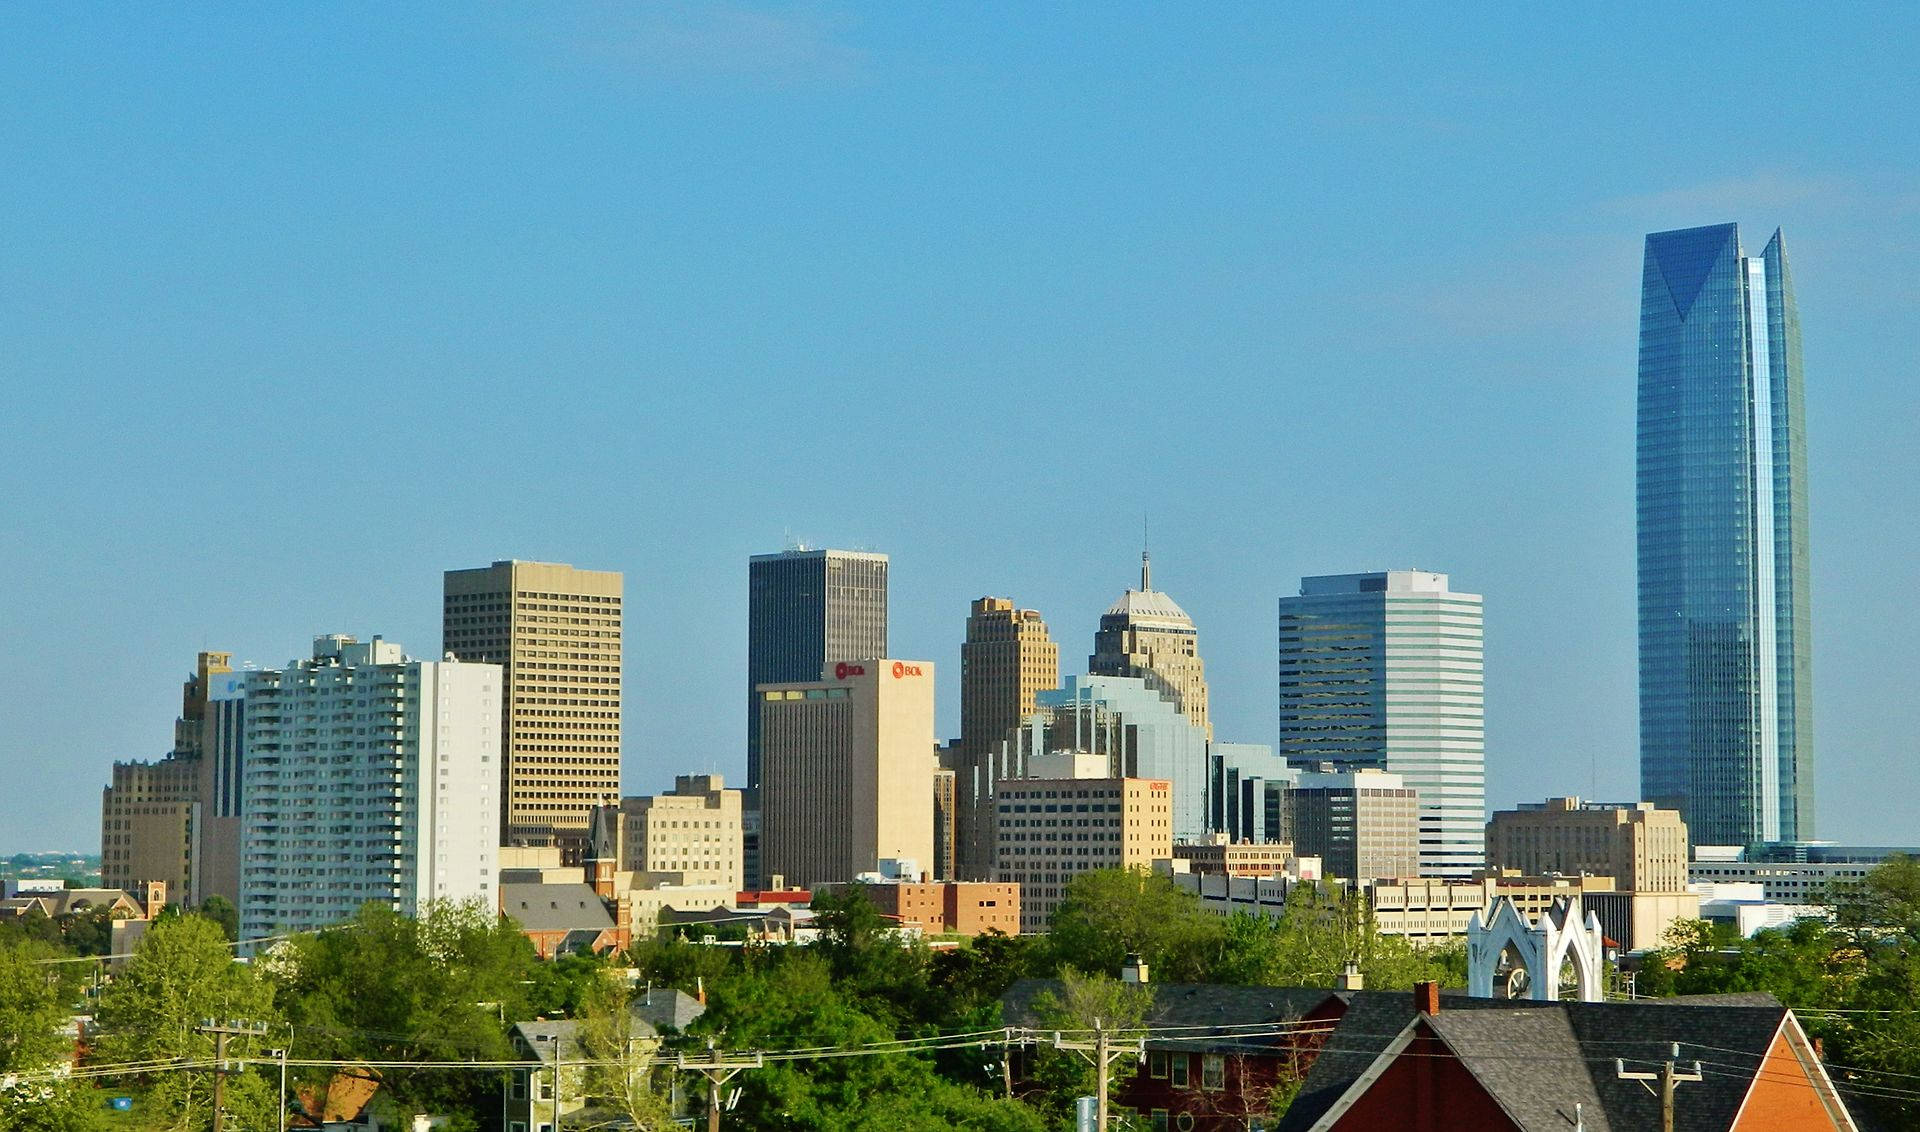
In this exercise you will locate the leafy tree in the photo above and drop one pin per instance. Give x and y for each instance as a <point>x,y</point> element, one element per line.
<point>181,975</point>
<point>33,997</point>
<point>1082,1002</point>
<point>387,987</point>
<point>221,911</point>
<point>887,975</point>
<point>626,1075</point>
<point>670,961</point>
<point>560,988</point>
<point>1108,914</point>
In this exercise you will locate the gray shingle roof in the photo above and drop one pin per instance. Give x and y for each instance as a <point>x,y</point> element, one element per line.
<point>1187,1005</point>
<point>555,907</point>
<point>1537,1058</point>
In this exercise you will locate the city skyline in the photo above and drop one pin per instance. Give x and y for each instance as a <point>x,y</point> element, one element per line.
<point>1317,292</point>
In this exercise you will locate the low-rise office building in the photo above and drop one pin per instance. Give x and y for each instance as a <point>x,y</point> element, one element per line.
<point>692,831</point>
<point>1051,829</point>
<point>1362,824</point>
<point>1643,848</point>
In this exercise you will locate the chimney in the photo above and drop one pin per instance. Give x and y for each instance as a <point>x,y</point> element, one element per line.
<point>1426,997</point>
<point>700,988</point>
<point>1134,970</point>
<point>1819,1050</point>
<point>1351,979</point>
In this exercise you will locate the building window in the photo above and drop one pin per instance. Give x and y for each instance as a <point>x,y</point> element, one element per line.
<point>1158,1121</point>
<point>520,1087</point>
<point>1178,1068</point>
<point>1157,1063</point>
<point>1213,1071</point>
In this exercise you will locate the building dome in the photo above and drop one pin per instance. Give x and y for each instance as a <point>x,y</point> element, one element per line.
<point>1148,605</point>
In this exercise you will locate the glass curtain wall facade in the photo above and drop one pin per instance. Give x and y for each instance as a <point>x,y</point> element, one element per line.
<point>1725,665</point>
<point>1384,671</point>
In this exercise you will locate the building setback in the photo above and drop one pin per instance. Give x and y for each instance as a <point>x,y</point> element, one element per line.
<point>1644,849</point>
<point>1146,635</point>
<point>1383,671</point>
<point>1007,659</point>
<point>556,633</point>
<point>1726,679</point>
<point>369,776</point>
<point>847,771</point>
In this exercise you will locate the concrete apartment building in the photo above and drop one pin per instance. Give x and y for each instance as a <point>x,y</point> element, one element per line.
<point>1643,848</point>
<point>1362,824</point>
<point>1384,671</point>
<point>1006,660</point>
<point>1146,635</point>
<point>1052,828</point>
<point>369,776</point>
<point>154,815</point>
<point>847,771</point>
<point>555,632</point>
<point>692,832</point>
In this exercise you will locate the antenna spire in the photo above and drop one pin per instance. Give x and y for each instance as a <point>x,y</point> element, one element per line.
<point>1146,563</point>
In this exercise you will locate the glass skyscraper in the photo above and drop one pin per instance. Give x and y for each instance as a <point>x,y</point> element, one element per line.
<point>1384,671</point>
<point>1726,729</point>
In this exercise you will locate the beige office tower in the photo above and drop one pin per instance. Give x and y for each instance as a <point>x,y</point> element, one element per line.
<point>153,817</point>
<point>1147,636</point>
<point>692,831</point>
<point>556,632</point>
<point>847,771</point>
<point>945,835</point>
<point>1007,658</point>
<point>1643,848</point>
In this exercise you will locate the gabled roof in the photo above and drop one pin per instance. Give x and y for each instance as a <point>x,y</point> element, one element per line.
<point>663,1007</point>
<point>555,907</point>
<point>1537,1058</point>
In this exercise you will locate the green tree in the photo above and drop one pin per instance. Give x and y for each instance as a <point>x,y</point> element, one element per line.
<point>33,1009</point>
<point>625,1078</point>
<point>887,975</point>
<point>181,975</point>
<point>1108,914</point>
<point>221,911</point>
<point>384,986</point>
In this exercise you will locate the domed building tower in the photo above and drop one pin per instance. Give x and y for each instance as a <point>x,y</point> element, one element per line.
<point>1147,636</point>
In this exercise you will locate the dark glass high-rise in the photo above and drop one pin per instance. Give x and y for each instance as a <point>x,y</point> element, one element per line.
<point>1726,725</point>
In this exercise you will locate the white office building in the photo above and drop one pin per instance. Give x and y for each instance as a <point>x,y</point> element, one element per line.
<point>1383,671</point>
<point>368,775</point>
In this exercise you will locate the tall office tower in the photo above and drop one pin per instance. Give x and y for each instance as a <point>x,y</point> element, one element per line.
<point>847,771</point>
<point>1006,660</point>
<point>1146,635</point>
<point>1383,671</point>
<point>368,776</point>
<point>806,611</point>
<point>152,818</point>
<point>556,632</point>
<point>1726,720</point>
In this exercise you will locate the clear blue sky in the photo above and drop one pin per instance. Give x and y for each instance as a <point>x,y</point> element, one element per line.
<point>300,306</point>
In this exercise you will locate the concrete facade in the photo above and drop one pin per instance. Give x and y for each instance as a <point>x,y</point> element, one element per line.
<point>1644,849</point>
<point>369,776</point>
<point>693,832</point>
<point>556,634</point>
<point>1051,829</point>
<point>1363,825</point>
<point>1006,660</point>
<point>847,771</point>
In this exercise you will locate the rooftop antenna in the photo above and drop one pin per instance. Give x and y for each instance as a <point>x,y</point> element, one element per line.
<point>1146,563</point>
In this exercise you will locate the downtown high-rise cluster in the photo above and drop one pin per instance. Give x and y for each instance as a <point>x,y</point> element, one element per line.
<point>360,772</point>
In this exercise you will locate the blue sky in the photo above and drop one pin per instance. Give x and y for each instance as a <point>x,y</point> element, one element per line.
<point>300,307</point>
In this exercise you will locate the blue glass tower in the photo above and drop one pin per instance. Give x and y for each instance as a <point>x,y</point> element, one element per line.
<point>1726,724</point>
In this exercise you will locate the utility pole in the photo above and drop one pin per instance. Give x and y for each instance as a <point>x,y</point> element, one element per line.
<point>718,1069</point>
<point>221,1032</point>
<point>1669,1078</point>
<point>1101,1052</point>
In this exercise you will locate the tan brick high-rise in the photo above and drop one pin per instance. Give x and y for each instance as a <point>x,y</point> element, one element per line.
<point>1007,658</point>
<point>1148,636</point>
<point>556,632</point>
